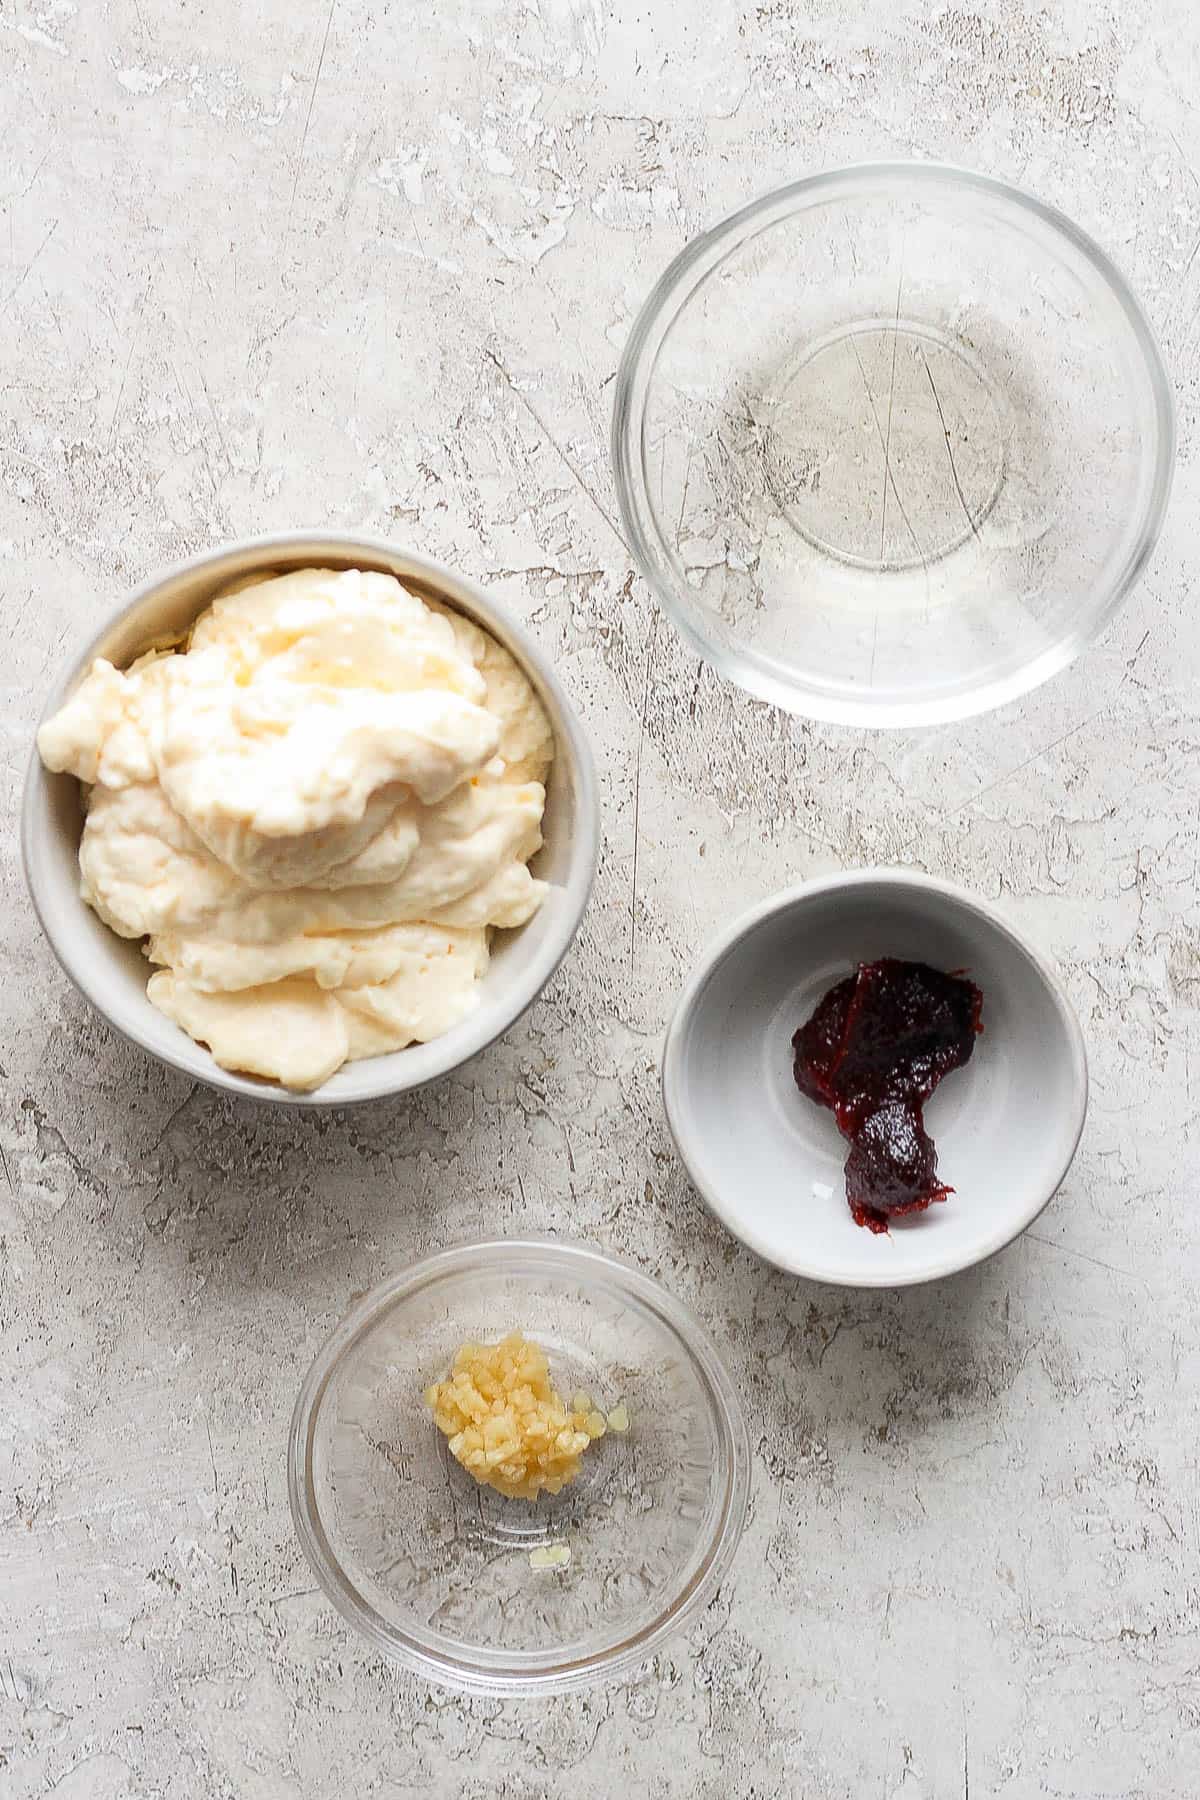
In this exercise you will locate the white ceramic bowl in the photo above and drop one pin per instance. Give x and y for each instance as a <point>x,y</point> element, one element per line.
<point>769,1163</point>
<point>112,973</point>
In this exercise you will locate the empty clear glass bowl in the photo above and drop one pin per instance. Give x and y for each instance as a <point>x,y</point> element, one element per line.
<point>892,443</point>
<point>437,1571</point>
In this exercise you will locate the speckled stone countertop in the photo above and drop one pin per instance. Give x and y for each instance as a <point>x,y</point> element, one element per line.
<point>368,264</point>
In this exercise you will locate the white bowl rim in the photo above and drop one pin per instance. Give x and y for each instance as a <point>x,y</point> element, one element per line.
<point>746,667</point>
<point>503,1677</point>
<point>482,1028</point>
<point>678,1030</point>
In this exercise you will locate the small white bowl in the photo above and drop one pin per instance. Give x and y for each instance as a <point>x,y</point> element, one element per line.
<point>112,972</point>
<point>769,1163</point>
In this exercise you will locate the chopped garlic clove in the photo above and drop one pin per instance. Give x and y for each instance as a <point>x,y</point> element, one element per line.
<point>506,1423</point>
<point>550,1556</point>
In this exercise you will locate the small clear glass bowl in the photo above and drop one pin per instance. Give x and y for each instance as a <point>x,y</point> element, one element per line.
<point>892,443</point>
<point>436,1570</point>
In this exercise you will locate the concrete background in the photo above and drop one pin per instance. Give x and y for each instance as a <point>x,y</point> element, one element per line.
<point>372,264</point>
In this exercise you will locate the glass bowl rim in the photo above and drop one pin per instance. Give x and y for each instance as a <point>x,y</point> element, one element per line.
<point>507,1673</point>
<point>749,669</point>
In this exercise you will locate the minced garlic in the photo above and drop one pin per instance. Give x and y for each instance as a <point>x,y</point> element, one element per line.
<point>550,1556</point>
<point>507,1424</point>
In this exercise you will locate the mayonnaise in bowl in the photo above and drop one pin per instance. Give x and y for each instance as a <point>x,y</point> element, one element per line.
<point>314,811</point>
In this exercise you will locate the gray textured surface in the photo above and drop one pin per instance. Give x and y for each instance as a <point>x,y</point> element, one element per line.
<point>373,264</point>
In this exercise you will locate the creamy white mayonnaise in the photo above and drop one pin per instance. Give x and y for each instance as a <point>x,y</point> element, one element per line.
<point>314,811</point>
